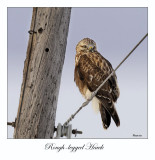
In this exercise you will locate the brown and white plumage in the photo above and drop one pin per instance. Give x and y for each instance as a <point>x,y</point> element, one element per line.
<point>91,69</point>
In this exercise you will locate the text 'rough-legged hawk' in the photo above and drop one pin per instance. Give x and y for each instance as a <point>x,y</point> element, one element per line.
<point>91,69</point>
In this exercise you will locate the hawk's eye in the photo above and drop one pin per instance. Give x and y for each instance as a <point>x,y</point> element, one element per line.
<point>84,46</point>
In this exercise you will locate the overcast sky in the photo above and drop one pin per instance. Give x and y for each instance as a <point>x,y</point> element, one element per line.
<point>116,31</point>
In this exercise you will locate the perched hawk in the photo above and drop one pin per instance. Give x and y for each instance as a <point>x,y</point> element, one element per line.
<point>91,69</point>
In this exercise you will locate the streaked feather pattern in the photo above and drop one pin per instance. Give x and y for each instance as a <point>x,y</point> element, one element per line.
<point>91,69</point>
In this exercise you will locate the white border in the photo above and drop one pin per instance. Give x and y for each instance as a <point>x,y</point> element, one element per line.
<point>75,3</point>
<point>114,148</point>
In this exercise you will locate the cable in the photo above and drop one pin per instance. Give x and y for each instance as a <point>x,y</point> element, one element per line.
<point>95,92</point>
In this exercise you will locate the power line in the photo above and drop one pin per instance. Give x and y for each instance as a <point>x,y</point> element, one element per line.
<point>95,92</point>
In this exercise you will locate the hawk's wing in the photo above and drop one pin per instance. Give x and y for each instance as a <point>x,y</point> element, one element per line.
<point>113,83</point>
<point>92,76</point>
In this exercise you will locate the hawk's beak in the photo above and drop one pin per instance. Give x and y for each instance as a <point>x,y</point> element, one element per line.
<point>91,48</point>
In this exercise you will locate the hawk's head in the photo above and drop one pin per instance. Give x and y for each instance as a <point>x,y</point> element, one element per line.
<point>86,45</point>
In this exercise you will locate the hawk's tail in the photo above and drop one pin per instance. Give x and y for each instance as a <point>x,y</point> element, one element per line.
<point>107,111</point>
<point>105,116</point>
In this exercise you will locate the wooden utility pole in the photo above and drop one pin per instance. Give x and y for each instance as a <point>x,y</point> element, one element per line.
<point>42,73</point>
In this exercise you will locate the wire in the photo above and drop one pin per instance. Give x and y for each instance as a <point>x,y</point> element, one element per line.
<point>95,92</point>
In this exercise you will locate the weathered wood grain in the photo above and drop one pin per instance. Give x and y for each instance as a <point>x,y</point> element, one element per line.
<point>42,73</point>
